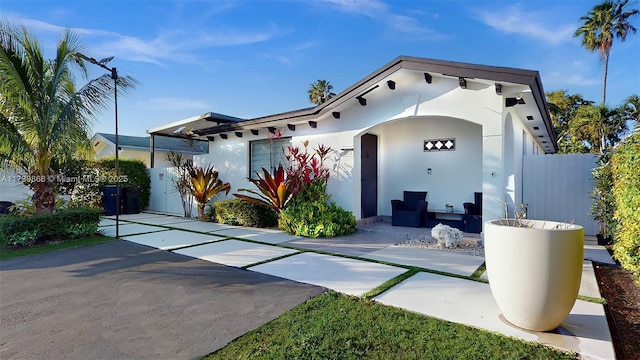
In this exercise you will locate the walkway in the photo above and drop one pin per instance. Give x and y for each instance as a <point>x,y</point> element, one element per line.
<point>449,286</point>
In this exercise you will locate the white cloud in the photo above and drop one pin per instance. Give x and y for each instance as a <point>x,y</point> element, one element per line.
<point>512,20</point>
<point>174,45</point>
<point>380,11</point>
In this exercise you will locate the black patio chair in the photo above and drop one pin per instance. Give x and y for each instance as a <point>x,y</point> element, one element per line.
<point>411,211</point>
<point>472,218</point>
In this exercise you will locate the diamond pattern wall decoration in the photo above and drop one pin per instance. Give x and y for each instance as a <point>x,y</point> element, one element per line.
<point>440,145</point>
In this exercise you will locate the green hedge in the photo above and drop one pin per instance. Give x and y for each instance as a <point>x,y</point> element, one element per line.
<point>626,189</point>
<point>237,212</point>
<point>317,219</point>
<point>72,222</point>
<point>134,172</point>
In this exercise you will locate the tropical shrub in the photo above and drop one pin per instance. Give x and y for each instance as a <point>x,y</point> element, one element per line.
<point>204,184</point>
<point>317,219</point>
<point>307,173</point>
<point>274,190</point>
<point>626,191</point>
<point>603,206</point>
<point>242,213</point>
<point>66,223</point>
<point>132,173</point>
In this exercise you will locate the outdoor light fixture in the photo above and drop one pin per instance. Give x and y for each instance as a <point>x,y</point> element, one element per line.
<point>239,133</point>
<point>114,76</point>
<point>314,124</point>
<point>429,171</point>
<point>336,114</point>
<point>509,102</point>
<point>498,89</point>
<point>255,131</point>
<point>462,82</point>
<point>428,78</point>
<point>362,101</point>
<point>291,127</point>
<point>272,130</point>
<point>391,84</point>
<point>224,136</point>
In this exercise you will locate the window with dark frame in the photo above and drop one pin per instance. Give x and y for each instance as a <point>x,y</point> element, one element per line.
<point>267,154</point>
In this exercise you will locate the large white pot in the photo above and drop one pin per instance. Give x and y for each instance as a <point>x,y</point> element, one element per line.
<point>534,272</point>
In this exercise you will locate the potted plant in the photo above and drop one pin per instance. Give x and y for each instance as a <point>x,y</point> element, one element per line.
<point>534,269</point>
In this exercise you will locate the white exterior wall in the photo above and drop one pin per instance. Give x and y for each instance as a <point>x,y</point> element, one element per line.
<point>103,151</point>
<point>11,188</point>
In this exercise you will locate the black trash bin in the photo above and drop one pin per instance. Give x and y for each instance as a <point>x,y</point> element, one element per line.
<point>131,200</point>
<point>109,200</point>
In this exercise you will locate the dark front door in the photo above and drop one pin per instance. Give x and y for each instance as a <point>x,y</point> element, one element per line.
<point>369,175</point>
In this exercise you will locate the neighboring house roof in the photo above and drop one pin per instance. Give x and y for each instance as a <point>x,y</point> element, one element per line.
<point>161,143</point>
<point>526,83</point>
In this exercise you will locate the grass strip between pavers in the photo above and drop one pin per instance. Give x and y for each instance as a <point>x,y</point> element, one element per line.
<point>271,260</point>
<point>338,326</point>
<point>389,284</point>
<point>474,277</point>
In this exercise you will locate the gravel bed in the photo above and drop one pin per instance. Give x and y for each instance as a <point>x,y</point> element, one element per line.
<point>464,249</point>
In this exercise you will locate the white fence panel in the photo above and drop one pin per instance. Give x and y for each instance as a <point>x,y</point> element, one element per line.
<point>558,187</point>
<point>164,197</point>
<point>11,186</point>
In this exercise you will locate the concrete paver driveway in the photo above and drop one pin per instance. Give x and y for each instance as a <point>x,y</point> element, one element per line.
<point>121,300</point>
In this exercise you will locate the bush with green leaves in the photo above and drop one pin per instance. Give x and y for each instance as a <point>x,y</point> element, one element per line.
<point>603,199</point>
<point>134,172</point>
<point>62,224</point>
<point>242,213</point>
<point>626,190</point>
<point>316,219</point>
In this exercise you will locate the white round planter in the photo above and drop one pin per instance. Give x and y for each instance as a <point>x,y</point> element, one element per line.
<point>534,272</point>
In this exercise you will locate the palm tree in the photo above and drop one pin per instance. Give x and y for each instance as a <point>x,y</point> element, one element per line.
<point>44,119</point>
<point>599,126</point>
<point>320,91</point>
<point>605,22</point>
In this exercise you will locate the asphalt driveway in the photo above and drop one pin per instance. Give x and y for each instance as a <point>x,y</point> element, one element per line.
<point>121,300</point>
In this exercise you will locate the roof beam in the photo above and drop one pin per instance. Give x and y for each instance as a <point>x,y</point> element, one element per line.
<point>462,82</point>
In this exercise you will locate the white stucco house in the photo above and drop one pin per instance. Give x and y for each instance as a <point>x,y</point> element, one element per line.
<point>138,147</point>
<point>418,124</point>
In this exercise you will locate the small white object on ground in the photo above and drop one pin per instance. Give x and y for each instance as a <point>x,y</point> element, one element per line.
<point>446,235</point>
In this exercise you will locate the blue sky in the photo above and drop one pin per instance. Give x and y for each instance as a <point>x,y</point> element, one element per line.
<point>258,57</point>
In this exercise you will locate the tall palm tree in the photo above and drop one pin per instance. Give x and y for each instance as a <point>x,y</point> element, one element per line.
<point>320,91</point>
<point>44,119</point>
<point>599,126</point>
<point>601,26</point>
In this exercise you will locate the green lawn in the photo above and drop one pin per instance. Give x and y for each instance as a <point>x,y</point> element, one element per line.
<point>336,326</point>
<point>6,254</point>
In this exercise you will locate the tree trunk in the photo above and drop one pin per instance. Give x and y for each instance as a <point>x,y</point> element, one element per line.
<point>43,196</point>
<point>201,212</point>
<point>605,60</point>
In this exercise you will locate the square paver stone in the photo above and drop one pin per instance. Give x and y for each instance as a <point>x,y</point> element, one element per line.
<point>469,302</point>
<point>201,226</point>
<point>597,253</point>
<point>172,239</point>
<point>234,252</point>
<point>349,276</point>
<point>262,235</point>
<point>129,229</point>
<point>141,215</point>
<point>163,220</point>
<point>106,222</point>
<point>429,259</point>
